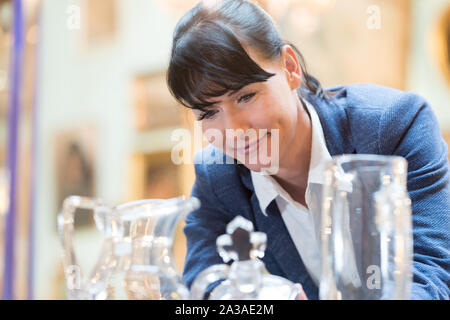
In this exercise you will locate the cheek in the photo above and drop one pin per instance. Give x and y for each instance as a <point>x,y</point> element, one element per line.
<point>278,113</point>
<point>284,120</point>
<point>265,112</point>
<point>262,116</point>
<point>213,134</point>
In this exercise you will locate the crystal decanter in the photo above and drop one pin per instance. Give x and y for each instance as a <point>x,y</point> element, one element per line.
<point>246,277</point>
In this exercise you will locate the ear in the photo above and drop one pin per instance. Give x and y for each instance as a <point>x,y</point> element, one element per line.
<point>291,67</point>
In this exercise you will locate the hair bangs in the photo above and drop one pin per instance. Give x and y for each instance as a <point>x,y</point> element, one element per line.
<point>209,62</point>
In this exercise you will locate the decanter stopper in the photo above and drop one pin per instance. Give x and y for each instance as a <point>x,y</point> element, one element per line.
<point>241,243</point>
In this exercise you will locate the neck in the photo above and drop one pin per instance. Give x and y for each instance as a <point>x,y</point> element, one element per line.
<point>294,165</point>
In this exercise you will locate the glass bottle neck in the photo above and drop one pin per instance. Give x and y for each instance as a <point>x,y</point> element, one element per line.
<point>247,275</point>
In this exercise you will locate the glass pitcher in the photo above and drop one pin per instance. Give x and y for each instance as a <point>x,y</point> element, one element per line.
<point>247,277</point>
<point>136,259</point>
<point>366,229</point>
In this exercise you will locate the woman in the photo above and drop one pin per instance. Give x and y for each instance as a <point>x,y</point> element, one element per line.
<point>231,67</point>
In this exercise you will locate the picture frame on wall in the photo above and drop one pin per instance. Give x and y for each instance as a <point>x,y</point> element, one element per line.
<point>101,21</point>
<point>75,168</point>
<point>154,176</point>
<point>154,106</point>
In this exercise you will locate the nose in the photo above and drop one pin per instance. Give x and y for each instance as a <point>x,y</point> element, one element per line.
<point>236,120</point>
<point>237,127</point>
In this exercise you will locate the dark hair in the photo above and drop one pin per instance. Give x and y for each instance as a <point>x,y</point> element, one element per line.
<point>208,58</point>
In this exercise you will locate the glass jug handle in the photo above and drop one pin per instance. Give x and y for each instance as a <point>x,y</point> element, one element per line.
<point>393,219</point>
<point>206,278</point>
<point>66,218</point>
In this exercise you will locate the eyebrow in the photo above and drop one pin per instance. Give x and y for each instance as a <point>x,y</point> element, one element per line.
<point>230,94</point>
<point>206,107</point>
<point>234,92</point>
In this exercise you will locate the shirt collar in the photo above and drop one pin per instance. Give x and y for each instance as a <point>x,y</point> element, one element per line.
<point>265,186</point>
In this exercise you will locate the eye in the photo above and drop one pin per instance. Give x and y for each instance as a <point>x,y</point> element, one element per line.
<point>208,114</point>
<point>246,97</point>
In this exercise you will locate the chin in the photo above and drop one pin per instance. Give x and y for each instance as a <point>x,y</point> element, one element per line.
<point>262,168</point>
<point>253,167</point>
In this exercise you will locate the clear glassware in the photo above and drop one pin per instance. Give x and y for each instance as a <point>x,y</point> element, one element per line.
<point>366,229</point>
<point>136,260</point>
<point>247,277</point>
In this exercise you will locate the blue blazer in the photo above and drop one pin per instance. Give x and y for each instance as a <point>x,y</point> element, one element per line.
<point>361,118</point>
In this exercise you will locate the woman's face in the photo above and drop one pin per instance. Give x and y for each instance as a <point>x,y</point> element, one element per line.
<point>259,120</point>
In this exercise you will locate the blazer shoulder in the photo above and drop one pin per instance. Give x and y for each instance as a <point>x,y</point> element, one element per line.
<point>382,106</point>
<point>374,112</point>
<point>392,116</point>
<point>380,97</point>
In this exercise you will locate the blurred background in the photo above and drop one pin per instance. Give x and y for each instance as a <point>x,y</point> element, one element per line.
<point>84,108</point>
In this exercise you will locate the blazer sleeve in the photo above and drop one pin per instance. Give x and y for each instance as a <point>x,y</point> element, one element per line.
<point>410,129</point>
<point>202,228</point>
